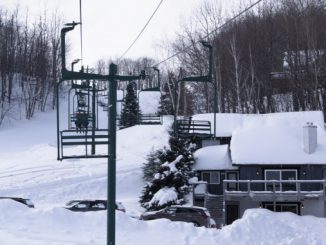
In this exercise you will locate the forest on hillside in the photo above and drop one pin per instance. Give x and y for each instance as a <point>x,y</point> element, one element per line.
<point>270,59</point>
<point>29,63</point>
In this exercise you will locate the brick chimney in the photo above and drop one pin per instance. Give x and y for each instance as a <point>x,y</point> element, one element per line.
<point>309,138</point>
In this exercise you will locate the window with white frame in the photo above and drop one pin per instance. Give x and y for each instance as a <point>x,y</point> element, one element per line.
<point>281,174</point>
<point>211,177</point>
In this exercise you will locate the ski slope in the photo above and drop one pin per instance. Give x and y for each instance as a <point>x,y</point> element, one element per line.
<point>29,169</point>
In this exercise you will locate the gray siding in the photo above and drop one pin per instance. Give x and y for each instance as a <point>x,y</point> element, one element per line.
<point>305,172</point>
<point>216,189</point>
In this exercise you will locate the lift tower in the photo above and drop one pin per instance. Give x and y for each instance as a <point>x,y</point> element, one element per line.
<point>112,79</point>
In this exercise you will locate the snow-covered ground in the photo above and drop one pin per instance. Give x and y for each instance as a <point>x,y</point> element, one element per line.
<point>28,168</point>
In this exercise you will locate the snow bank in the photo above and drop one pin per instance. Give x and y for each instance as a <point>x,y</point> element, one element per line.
<point>49,226</point>
<point>58,226</point>
<point>261,226</point>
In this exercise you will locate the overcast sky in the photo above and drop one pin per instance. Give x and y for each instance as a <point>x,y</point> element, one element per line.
<point>110,26</point>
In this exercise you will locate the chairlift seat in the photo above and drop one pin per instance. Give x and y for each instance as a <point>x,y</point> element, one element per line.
<point>150,119</point>
<point>70,138</point>
<point>81,86</point>
<point>194,128</point>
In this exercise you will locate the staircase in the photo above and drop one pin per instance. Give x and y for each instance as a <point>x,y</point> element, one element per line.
<point>214,204</point>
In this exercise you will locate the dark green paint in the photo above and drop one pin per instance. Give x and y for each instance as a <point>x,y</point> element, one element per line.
<point>112,78</point>
<point>208,78</point>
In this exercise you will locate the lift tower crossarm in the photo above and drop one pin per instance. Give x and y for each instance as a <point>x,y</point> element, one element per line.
<point>208,78</point>
<point>72,75</point>
<point>195,79</point>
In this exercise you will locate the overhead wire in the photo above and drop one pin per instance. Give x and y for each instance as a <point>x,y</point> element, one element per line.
<point>141,32</point>
<point>81,31</point>
<point>210,33</point>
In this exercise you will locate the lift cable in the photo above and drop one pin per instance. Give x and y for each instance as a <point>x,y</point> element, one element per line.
<point>210,33</point>
<point>142,30</point>
<point>81,31</point>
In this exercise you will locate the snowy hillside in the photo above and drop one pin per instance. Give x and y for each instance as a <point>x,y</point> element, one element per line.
<point>29,169</point>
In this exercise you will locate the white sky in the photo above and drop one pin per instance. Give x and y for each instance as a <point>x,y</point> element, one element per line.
<point>110,26</point>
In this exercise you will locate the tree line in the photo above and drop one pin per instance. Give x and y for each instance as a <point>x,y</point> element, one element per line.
<point>270,59</point>
<point>29,63</point>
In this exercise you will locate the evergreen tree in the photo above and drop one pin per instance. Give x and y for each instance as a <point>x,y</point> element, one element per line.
<point>165,107</point>
<point>153,162</point>
<point>168,172</point>
<point>130,114</point>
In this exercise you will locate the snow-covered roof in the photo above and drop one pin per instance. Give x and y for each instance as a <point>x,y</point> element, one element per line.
<point>212,158</point>
<point>277,138</point>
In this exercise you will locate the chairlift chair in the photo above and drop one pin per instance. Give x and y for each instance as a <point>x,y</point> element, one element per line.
<point>154,87</point>
<point>83,124</point>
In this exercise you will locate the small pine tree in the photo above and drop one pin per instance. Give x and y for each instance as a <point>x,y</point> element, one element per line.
<point>153,162</point>
<point>165,107</point>
<point>130,114</point>
<point>168,172</point>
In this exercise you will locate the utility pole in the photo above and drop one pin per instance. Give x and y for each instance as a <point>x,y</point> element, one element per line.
<point>112,78</point>
<point>113,69</point>
<point>93,117</point>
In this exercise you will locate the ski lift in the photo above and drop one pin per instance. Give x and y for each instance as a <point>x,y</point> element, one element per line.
<point>153,85</point>
<point>86,115</point>
<point>194,128</point>
<point>80,118</point>
<point>151,118</point>
<point>96,137</point>
<point>83,129</point>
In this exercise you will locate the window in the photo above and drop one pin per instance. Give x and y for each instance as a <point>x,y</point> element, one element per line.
<point>280,174</point>
<point>98,205</point>
<point>283,207</point>
<point>211,177</point>
<point>82,206</point>
<point>171,210</point>
<point>232,176</point>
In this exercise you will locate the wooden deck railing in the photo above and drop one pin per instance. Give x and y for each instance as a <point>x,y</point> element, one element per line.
<point>265,188</point>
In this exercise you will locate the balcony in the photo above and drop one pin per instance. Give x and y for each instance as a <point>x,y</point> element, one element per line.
<point>274,190</point>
